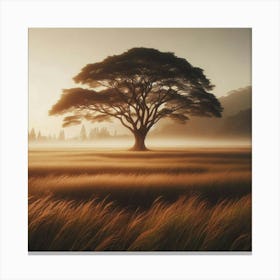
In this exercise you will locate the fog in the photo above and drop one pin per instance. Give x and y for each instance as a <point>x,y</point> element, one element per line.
<point>152,143</point>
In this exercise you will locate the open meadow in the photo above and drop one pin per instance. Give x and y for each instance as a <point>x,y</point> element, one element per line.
<point>83,199</point>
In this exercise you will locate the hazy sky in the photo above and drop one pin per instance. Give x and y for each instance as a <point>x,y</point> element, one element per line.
<point>56,55</point>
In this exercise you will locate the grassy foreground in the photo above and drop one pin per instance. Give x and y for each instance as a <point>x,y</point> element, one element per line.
<point>185,225</point>
<point>196,200</point>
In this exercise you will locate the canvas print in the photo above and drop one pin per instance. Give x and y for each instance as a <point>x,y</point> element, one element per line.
<point>139,139</point>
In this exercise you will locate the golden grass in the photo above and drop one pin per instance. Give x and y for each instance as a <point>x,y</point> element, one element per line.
<point>131,181</point>
<point>130,190</point>
<point>185,225</point>
<point>197,199</point>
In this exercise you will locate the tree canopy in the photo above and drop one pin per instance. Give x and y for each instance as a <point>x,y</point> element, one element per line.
<point>139,88</point>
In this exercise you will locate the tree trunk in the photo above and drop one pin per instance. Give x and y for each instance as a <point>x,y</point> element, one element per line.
<point>139,144</point>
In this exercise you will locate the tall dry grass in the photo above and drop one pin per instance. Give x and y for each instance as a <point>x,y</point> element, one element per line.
<point>85,200</point>
<point>185,225</point>
<point>132,190</point>
<point>77,162</point>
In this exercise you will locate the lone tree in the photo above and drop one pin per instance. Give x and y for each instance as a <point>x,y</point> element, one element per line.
<point>139,88</point>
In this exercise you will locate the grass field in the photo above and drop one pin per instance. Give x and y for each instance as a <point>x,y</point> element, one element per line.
<point>175,200</point>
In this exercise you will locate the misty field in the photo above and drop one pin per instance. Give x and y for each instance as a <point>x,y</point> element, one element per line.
<point>176,200</point>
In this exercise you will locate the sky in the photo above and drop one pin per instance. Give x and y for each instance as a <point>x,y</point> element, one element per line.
<point>56,55</point>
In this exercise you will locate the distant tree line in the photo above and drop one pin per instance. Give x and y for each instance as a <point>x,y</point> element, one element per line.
<point>38,136</point>
<point>93,134</point>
